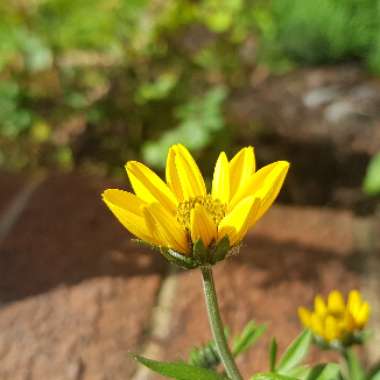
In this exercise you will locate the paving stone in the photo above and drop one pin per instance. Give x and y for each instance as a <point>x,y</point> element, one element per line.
<point>76,294</point>
<point>292,254</point>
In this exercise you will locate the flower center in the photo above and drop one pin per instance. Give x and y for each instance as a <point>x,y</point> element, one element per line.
<point>214,207</point>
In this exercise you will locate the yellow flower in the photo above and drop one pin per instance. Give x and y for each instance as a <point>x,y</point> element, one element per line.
<point>336,320</point>
<point>176,213</point>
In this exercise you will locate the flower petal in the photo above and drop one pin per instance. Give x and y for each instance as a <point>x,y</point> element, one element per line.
<point>235,224</point>
<point>128,210</point>
<point>331,331</point>
<point>221,179</point>
<point>242,166</point>
<point>192,182</point>
<point>167,229</point>
<point>305,316</point>
<point>361,318</point>
<point>172,177</point>
<point>149,186</point>
<point>354,302</point>
<point>202,226</point>
<point>335,302</point>
<point>261,182</point>
<point>264,184</point>
<point>320,306</point>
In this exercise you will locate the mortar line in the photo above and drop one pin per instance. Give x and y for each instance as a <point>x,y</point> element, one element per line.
<point>159,323</point>
<point>17,206</point>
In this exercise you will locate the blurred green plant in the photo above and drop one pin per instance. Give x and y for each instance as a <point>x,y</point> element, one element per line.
<point>319,32</point>
<point>113,75</point>
<point>371,184</point>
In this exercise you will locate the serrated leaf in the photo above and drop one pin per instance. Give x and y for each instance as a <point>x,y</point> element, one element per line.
<point>273,355</point>
<point>328,371</point>
<point>295,352</point>
<point>371,184</point>
<point>178,370</point>
<point>248,337</point>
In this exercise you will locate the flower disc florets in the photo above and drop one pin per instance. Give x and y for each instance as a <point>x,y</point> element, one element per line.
<point>214,208</point>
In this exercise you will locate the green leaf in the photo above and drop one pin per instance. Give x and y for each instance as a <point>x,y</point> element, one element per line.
<point>273,354</point>
<point>295,352</point>
<point>328,371</point>
<point>371,184</point>
<point>178,370</point>
<point>355,369</point>
<point>248,337</point>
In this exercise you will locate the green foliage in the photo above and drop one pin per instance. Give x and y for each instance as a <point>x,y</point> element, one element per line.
<point>355,369</point>
<point>295,353</point>
<point>199,120</point>
<point>207,356</point>
<point>371,183</point>
<point>179,371</point>
<point>324,31</point>
<point>247,338</point>
<point>128,70</point>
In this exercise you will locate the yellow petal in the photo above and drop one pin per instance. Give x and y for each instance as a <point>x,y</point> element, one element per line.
<point>320,306</point>
<point>331,331</point>
<point>170,233</point>
<point>271,187</point>
<point>347,323</point>
<point>242,166</point>
<point>128,210</point>
<point>149,186</point>
<point>265,184</point>
<point>335,302</point>
<point>305,316</point>
<point>190,177</point>
<point>235,224</point>
<point>354,301</point>
<point>202,226</point>
<point>172,177</point>
<point>316,325</point>
<point>221,179</point>
<point>361,318</point>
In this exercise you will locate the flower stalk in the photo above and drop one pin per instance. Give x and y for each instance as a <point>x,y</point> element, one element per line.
<point>216,324</point>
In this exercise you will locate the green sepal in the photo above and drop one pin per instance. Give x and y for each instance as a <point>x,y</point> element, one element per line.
<point>206,356</point>
<point>179,370</point>
<point>179,259</point>
<point>200,253</point>
<point>145,244</point>
<point>221,250</point>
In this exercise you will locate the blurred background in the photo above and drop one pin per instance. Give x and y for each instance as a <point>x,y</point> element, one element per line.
<point>87,85</point>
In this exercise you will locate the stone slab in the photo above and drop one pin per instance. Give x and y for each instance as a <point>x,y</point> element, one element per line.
<point>76,295</point>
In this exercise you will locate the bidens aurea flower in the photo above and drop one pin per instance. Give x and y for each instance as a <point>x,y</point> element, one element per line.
<point>336,320</point>
<point>180,212</point>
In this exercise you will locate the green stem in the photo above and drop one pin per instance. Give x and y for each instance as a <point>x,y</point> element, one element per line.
<point>216,325</point>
